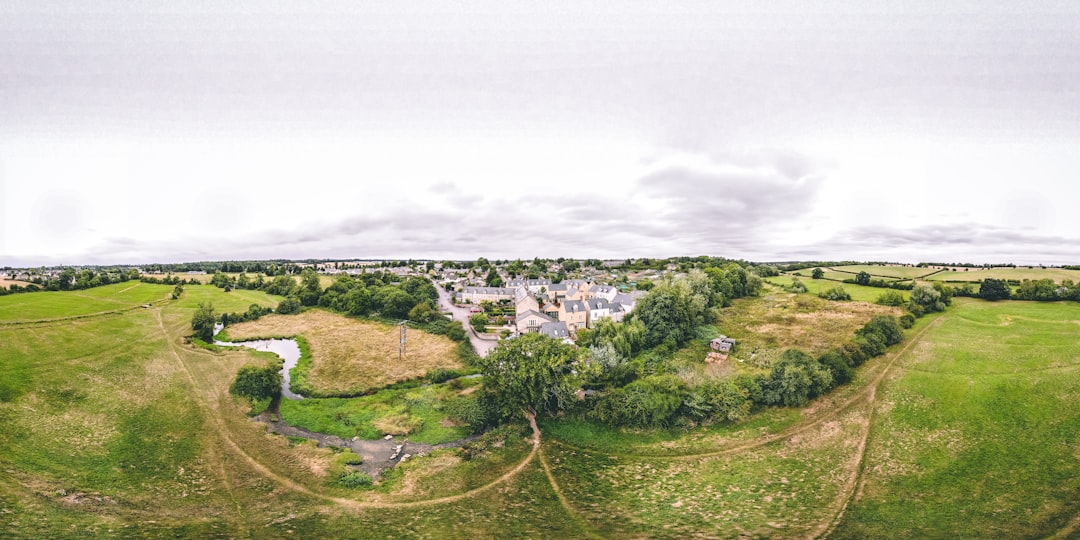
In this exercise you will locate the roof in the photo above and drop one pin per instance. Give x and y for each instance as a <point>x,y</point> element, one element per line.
<point>555,329</point>
<point>573,306</point>
<point>505,291</point>
<point>557,287</point>
<point>597,303</point>
<point>533,313</point>
<point>625,299</point>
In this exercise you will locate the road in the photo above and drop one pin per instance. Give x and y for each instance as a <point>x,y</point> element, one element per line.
<point>462,314</point>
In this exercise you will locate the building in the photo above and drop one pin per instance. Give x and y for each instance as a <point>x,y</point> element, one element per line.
<point>490,294</point>
<point>531,321</point>
<point>722,344</point>
<point>597,309</point>
<point>575,314</point>
<point>555,329</point>
<point>607,292</point>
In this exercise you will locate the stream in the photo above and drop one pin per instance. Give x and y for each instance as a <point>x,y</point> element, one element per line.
<point>287,349</point>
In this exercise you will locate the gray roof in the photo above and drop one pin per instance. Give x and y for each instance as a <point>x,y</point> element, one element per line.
<point>555,329</point>
<point>574,306</point>
<point>489,290</point>
<point>557,287</point>
<point>597,303</point>
<point>624,299</point>
<point>617,307</point>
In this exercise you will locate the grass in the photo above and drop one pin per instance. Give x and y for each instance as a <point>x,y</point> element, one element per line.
<point>415,412</point>
<point>978,437</point>
<point>25,307</point>
<point>885,271</point>
<point>775,321</point>
<point>111,427</point>
<point>859,293</point>
<point>351,356</point>
<point>1018,274</point>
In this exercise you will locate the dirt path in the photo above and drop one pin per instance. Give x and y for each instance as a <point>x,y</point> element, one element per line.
<point>853,487</point>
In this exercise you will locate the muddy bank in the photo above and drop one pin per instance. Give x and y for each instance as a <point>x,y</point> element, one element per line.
<point>379,455</point>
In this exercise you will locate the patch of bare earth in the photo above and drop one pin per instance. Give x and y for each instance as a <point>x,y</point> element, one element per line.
<point>351,355</point>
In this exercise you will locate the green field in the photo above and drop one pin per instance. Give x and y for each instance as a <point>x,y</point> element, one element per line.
<point>23,307</point>
<point>110,426</point>
<point>880,271</point>
<point>1018,274</point>
<point>859,293</point>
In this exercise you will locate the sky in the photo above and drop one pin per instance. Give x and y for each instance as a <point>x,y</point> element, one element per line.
<point>136,132</point>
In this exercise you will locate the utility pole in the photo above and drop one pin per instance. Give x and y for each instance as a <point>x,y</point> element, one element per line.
<point>401,345</point>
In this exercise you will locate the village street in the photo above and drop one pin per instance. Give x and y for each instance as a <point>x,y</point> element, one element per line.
<point>446,303</point>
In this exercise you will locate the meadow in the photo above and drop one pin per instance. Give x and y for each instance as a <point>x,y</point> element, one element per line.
<point>884,271</point>
<point>859,293</point>
<point>354,356</point>
<point>1007,273</point>
<point>111,426</point>
<point>28,307</point>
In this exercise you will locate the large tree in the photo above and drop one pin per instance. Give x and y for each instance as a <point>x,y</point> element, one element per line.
<point>531,374</point>
<point>666,314</point>
<point>203,321</point>
<point>994,289</point>
<point>309,287</point>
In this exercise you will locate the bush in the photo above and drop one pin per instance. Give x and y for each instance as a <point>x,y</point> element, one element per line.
<point>795,379</point>
<point>837,364</point>
<point>647,402</point>
<point>289,306</point>
<point>353,480</point>
<point>456,331</point>
<point>796,286</point>
<point>890,298</point>
<point>257,382</point>
<point>836,293</point>
<point>907,320</point>
<point>471,410</point>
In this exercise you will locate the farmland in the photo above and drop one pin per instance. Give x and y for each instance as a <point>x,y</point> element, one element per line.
<point>110,426</point>
<point>885,271</point>
<point>858,293</point>
<point>59,304</point>
<point>1007,273</point>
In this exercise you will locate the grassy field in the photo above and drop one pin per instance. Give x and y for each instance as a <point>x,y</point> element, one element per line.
<point>766,325</point>
<point>885,271</point>
<point>23,307</point>
<point>112,427</point>
<point>1019,274</point>
<point>352,356</point>
<point>859,293</point>
<point>978,435</point>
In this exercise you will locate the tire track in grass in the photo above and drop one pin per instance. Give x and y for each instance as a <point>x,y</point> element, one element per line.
<point>853,487</point>
<point>566,502</point>
<point>344,502</point>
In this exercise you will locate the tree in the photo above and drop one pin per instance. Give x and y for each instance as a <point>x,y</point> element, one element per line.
<point>309,288</point>
<point>925,299</point>
<point>493,279</point>
<point>666,315</point>
<point>423,312</point>
<point>255,383</point>
<point>289,306</point>
<point>862,278</point>
<point>203,321</point>
<point>994,289</point>
<point>479,322</point>
<point>531,374</point>
<point>797,286</point>
<point>817,273</point>
<point>796,378</point>
<point>393,302</point>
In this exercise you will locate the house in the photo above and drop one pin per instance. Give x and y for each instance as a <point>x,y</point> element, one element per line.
<point>576,283</point>
<point>618,312</point>
<point>607,292</point>
<point>722,344</point>
<point>557,291</point>
<point>573,293</point>
<point>627,301</point>
<point>531,321</point>
<point>533,285</point>
<point>574,313</point>
<point>597,309</point>
<point>555,329</point>
<point>491,294</point>
<point>523,301</point>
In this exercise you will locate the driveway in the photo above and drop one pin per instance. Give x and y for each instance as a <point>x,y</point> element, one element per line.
<point>462,314</point>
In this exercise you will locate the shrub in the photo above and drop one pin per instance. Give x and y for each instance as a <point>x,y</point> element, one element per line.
<point>836,293</point>
<point>796,286</point>
<point>651,401</point>
<point>907,320</point>
<point>456,331</point>
<point>289,306</point>
<point>257,382</point>
<point>890,298</point>
<point>834,361</point>
<point>795,379</point>
<point>354,480</point>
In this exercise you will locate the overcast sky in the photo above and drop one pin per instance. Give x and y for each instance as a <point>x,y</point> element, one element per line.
<point>135,132</point>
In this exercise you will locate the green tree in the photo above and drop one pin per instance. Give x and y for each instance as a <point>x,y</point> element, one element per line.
<point>925,299</point>
<point>203,321</point>
<point>423,312</point>
<point>862,278</point>
<point>530,375</point>
<point>994,289</point>
<point>255,382</point>
<point>289,306</point>
<point>817,273</point>
<point>393,302</point>
<point>309,288</point>
<point>666,315</point>
<point>890,298</point>
<point>795,379</point>
<point>493,279</point>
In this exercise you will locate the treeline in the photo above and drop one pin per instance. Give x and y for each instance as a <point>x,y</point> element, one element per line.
<point>1039,290</point>
<point>69,279</point>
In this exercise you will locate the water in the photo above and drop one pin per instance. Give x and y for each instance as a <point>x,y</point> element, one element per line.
<point>287,349</point>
